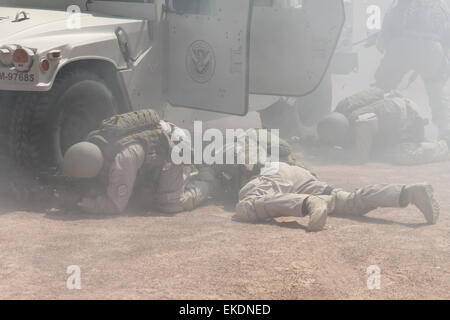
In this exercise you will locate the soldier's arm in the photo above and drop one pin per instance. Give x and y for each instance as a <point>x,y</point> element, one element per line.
<point>122,177</point>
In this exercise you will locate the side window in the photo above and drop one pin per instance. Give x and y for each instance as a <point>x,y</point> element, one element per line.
<point>200,7</point>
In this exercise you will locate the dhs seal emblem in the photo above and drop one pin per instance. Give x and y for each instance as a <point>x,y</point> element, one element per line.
<point>200,61</point>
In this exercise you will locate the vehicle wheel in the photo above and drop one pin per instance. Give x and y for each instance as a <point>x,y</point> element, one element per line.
<point>313,107</point>
<point>44,125</point>
<point>6,104</point>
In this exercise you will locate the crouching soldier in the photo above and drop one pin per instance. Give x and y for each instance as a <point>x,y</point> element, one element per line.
<point>132,152</point>
<point>381,125</point>
<point>281,190</point>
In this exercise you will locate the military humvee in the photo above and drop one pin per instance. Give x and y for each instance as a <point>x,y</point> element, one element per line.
<point>300,116</point>
<point>66,65</point>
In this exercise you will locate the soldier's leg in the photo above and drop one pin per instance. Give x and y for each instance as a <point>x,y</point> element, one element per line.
<point>366,127</point>
<point>369,198</point>
<point>187,192</point>
<point>418,153</point>
<point>434,70</point>
<point>170,190</point>
<point>393,67</point>
<point>439,100</point>
<point>261,201</point>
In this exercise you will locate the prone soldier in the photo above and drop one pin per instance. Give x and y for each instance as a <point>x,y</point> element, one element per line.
<point>281,190</point>
<point>287,188</point>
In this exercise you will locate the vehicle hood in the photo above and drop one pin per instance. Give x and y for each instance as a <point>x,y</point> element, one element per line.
<point>47,28</point>
<point>20,29</point>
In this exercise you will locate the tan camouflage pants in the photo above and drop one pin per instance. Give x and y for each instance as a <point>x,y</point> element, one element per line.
<point>284,193</point>
<point>407,153</point>
<point>177,190</point>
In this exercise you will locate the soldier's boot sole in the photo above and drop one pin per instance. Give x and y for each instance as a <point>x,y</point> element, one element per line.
<point>318,208</point>
<point>422,196</point>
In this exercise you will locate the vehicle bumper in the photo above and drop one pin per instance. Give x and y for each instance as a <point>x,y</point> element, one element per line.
<point>12,80</point>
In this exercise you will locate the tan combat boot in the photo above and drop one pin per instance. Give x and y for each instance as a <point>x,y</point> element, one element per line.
<point>318,208</point>
<point>245,212</point>
<point>421,195</point>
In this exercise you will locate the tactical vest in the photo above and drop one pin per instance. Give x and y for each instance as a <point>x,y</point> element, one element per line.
<point>359,100</point>
<point>141,127</point>
<point>398,119</point>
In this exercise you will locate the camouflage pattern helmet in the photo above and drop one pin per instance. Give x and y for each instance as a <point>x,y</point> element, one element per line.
<point>334,129</point>
<point>83,160</point>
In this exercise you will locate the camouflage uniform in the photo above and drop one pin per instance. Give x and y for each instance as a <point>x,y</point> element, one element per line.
<point>389,126</point>
<point>415,37</point>
<point>231,178</point>
<point>284,190</point>
<point>136,148</point>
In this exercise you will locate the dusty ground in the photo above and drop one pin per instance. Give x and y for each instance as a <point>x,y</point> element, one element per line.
<point>204,255</point>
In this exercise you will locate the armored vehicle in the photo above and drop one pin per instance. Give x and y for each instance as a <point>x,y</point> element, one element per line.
<point>66,65</point>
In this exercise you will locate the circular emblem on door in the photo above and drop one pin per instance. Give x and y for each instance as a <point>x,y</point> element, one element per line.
<point>200,61</point>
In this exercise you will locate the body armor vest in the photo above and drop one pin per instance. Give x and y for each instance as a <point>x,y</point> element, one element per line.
<point>398,119</point>
<point>141,127</point>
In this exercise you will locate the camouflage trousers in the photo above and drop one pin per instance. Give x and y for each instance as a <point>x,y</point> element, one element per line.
<point>178,190</point>
<point>428,59</point>
<point>284,193</point>
<point>406,153</point>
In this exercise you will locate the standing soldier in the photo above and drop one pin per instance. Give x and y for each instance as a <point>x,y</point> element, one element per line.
<point>132,152</point>
<point>381,125</point>
<point>416,37</point>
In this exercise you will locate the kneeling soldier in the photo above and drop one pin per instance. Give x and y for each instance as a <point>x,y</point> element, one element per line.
<point>381,125</point>
<point>131,152</point>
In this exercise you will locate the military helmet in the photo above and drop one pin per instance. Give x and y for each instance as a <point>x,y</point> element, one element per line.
<point>83,160</point>
<point>334,129</point>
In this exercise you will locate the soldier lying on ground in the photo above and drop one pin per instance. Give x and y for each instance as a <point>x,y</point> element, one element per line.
<point>281,190</point>
<point>381,125</point>
<point>131,152</point>
<point>231,177</point>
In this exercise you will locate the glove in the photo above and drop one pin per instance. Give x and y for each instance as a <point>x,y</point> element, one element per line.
<point>66,199</point>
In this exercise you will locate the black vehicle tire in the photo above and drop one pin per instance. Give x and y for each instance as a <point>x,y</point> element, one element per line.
<point>7,102</point>
<point>45,124</point>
